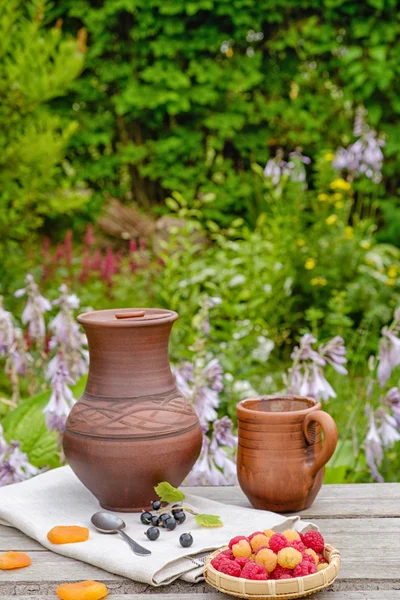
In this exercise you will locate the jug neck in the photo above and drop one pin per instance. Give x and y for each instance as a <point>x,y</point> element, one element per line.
<point>128,362</point>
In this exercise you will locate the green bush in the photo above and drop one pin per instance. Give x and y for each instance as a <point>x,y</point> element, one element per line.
<point>185,95</point>
<point>36,66</point>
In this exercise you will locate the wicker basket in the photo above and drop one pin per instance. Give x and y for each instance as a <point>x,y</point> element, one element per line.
<point>274,589</point>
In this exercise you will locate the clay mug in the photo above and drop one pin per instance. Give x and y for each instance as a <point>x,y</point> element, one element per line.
<point>281,457</point>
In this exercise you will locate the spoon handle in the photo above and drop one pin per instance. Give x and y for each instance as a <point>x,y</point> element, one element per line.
<point>137,548</point>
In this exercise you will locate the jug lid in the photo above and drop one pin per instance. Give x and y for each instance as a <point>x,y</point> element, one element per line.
<point>127,317</point>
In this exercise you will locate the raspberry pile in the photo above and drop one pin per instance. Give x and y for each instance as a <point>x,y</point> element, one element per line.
<point>268,555</point>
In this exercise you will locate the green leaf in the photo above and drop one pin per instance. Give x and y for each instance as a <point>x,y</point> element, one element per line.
<point>208,520</point>
<point>167,493</point>
<point>26,424</point>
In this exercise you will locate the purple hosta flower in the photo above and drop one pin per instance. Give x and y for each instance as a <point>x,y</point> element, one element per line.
<point>14,464</point>
<point>205,471</point>
<point>388,430</point>
<point>201,386</point>
<point>334,353</point>
<point>305,351</point>
<point>364,156</point>
<point>34,310</point>
<point>222,433</point>
<point>393,400</point>
<point>62,399</point>
<point>306,376</point>
<point>6,330</point>
<point>213,466</point>
<point>67,337</point>
<point>373,447</point>
<point>202,319</point>
<point>293,169</point>
<point>389,353</point>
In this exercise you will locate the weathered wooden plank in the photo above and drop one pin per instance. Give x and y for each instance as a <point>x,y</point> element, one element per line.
<point>352,500</point>
<point>328,595</point>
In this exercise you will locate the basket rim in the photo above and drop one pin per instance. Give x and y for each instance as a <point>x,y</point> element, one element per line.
<point>334,556</point>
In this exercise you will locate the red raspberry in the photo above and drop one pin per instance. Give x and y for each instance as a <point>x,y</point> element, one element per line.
<point>254,571</point>
<point>215,561</point>
<point>322,559</point>
<point>277,542</point>
<point>227,553</point>
<point>236,539</point>
<point>313,540</point>
<point>281,573</point>
<point>261,548</point>
<point>241,561</point>
<point>254,534</point>
<point>298,545</point>
<point>229,567</point>
<point>306,567</point>
<point>308,557</point>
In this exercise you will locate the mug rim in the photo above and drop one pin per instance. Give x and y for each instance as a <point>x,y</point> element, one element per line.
<point>251,412</point>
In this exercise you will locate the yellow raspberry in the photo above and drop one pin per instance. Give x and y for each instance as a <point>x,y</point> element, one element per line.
<point>267,558</point>
<point>258,541</point>
<point>242,548</point>
<point>313,554</point>
<point>291,535</point>
<point>289,558</point>
<point>322,566</point>
<point>269,533</point>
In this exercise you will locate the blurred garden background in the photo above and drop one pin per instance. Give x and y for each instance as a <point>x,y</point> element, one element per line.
<point>234,160</point>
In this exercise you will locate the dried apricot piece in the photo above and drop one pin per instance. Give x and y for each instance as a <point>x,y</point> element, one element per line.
<point>68,534</point>
<point>14,560</point>
<point>83,590</point>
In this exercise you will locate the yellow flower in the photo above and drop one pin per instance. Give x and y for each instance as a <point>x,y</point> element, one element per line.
<point>300,243</point>
<point>390,282</point>
<point>392,271</point>
<point>310,263</point>
<point>329,156</point>
<point>337,196</point>
<point>319,281</point>
<point>339,204</point>
<point>365,244</point>
<point>340,184</point>
<point>369,261</point>
<point>331,219</point>
<point>348,233</point>
<point>323,197</point>
<point>229,52</point>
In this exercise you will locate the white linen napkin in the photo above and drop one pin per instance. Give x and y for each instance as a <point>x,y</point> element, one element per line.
<point>59,498</point>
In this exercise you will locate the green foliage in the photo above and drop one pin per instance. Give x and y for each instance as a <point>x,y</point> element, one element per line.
<point>168,493</point>
<point>36,66</point>
<point>185,96</point>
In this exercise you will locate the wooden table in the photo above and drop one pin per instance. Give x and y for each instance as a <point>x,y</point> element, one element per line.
<point>362,521</point>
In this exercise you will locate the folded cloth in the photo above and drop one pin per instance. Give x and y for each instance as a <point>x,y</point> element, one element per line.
<point>59,498</point>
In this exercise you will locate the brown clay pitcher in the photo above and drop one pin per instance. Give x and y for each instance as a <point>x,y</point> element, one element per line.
<point>281,457</point>
<point>132,428</point>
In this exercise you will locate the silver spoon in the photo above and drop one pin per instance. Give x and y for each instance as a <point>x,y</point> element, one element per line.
<point>109,523</point>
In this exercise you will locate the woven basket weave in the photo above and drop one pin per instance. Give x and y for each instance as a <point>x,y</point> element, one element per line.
<point>274,589</point>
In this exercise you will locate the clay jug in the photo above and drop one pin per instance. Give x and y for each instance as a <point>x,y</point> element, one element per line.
<point>132,428</point>
<point>281,457</point>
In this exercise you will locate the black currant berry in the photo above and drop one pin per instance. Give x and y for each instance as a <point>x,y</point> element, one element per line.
<point>180,517</point>
<point>154,520</point>
<point>170,523</point>
<point>145,517</point>
<point>186,540</point>
<point>163,517</point>
<point>153,533</point>
<point>156,504</point>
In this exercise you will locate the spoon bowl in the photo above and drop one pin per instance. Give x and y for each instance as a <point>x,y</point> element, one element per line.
<point>108,523</point>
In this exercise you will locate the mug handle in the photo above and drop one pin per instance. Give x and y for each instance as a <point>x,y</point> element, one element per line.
<point>330,434</point>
